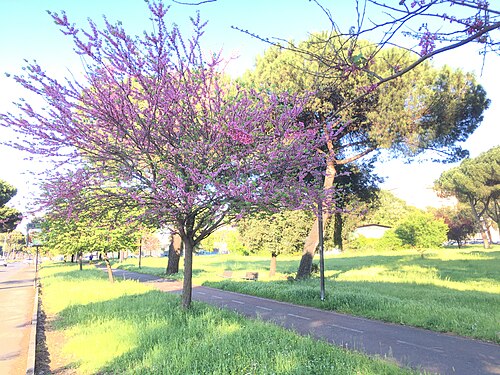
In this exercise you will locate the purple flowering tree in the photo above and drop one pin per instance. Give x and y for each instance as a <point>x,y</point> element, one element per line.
<point>155,126</point>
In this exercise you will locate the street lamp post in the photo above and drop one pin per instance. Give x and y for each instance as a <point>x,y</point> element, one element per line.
<point>31,228</point>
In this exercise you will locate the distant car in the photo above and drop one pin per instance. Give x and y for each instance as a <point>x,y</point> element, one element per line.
<point>3,262</point>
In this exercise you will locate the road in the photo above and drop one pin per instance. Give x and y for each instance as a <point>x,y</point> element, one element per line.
<point>410,347</point>
<point>17,294</point>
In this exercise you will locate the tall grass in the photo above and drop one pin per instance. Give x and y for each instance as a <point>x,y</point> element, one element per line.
<point>128,328</point>
<point>450,290</point>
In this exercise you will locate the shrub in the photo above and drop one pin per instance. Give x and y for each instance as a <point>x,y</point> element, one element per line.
<point>389,241</point>
<point>422,231</point>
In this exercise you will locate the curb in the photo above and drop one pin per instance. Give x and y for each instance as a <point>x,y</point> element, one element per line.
<point>30,364</point>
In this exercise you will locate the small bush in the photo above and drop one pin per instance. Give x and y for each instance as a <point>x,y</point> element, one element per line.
<point>422,231</point>
<point>389,241</point>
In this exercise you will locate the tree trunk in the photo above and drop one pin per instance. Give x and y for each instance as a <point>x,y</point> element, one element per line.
<point>272,268</point>
<point>80,260</point>
<point>72,258</point>
<point>174,254</point>
<point>337,231</point>
<point>482,228</point>
<point>312,239</point>
<point>187,286</point>
<point>140,254</point>
<point>108,268</point>
<point>488,231</point>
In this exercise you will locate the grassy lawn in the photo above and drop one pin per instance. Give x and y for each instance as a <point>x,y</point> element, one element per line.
<point>96,327</point>
<point>450,290</point>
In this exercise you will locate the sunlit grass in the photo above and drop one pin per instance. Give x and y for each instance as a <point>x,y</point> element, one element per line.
<point>63,281</point>
<point>128,328</point>
<point>450,290</point>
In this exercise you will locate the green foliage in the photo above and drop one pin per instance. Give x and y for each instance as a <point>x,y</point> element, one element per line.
<point>7,191</point>
<point>475,182</point>
<point>460,222</point>
<point>9,217</point>
<point>88,234</point>
<point>388,242</point>
<point>282,233</point>
<point>225,236</point>
<point>426,108</point>
<point>422,231</point>
<point>477,178</point>
<point>389,210</point>
<point>12,241</point>
<point>158,337</point>
<point>358,189</point>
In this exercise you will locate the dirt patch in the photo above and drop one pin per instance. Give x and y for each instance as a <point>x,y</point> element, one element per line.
<point>49,358</point>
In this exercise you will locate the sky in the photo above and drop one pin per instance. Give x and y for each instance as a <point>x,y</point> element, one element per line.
<point>27,32</point>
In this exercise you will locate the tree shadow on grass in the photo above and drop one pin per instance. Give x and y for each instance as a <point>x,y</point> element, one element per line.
<point>158,337</point>
<point>483,269</point>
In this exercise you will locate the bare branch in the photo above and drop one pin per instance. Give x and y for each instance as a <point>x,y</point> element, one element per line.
<point>198,3</point>
<point>354,157</point>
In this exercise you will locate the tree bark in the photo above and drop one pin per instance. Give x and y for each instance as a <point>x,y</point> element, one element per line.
<point>272,267</point>
<point>312,239</point>
<point>80,260</point>
<point>337,231</point>
<point>488,231</point>
<point>187,286</point>
<point>140,254</point>
<point>480,222</point>
<point>174,254</point>
<point>108,267</point>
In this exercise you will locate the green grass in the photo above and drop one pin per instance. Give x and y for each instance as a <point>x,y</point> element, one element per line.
<point>129,328</point>
<point>450,290</point>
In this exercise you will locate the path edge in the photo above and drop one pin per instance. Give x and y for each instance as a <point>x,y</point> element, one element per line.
<point>30,364</point>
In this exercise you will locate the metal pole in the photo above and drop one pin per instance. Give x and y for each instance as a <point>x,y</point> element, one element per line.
<point>140,251</point>
<point>321,251</point>
<point>36,265</point>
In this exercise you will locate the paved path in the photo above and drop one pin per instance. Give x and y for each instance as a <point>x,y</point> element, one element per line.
<point>16,308</point>
<point>408,346</point>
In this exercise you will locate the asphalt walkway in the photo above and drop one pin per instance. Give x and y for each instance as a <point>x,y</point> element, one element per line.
<point>410,347</point>
<point>17,295</point>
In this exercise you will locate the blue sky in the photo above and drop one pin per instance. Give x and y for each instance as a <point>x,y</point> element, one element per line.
<point>27,32</point>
